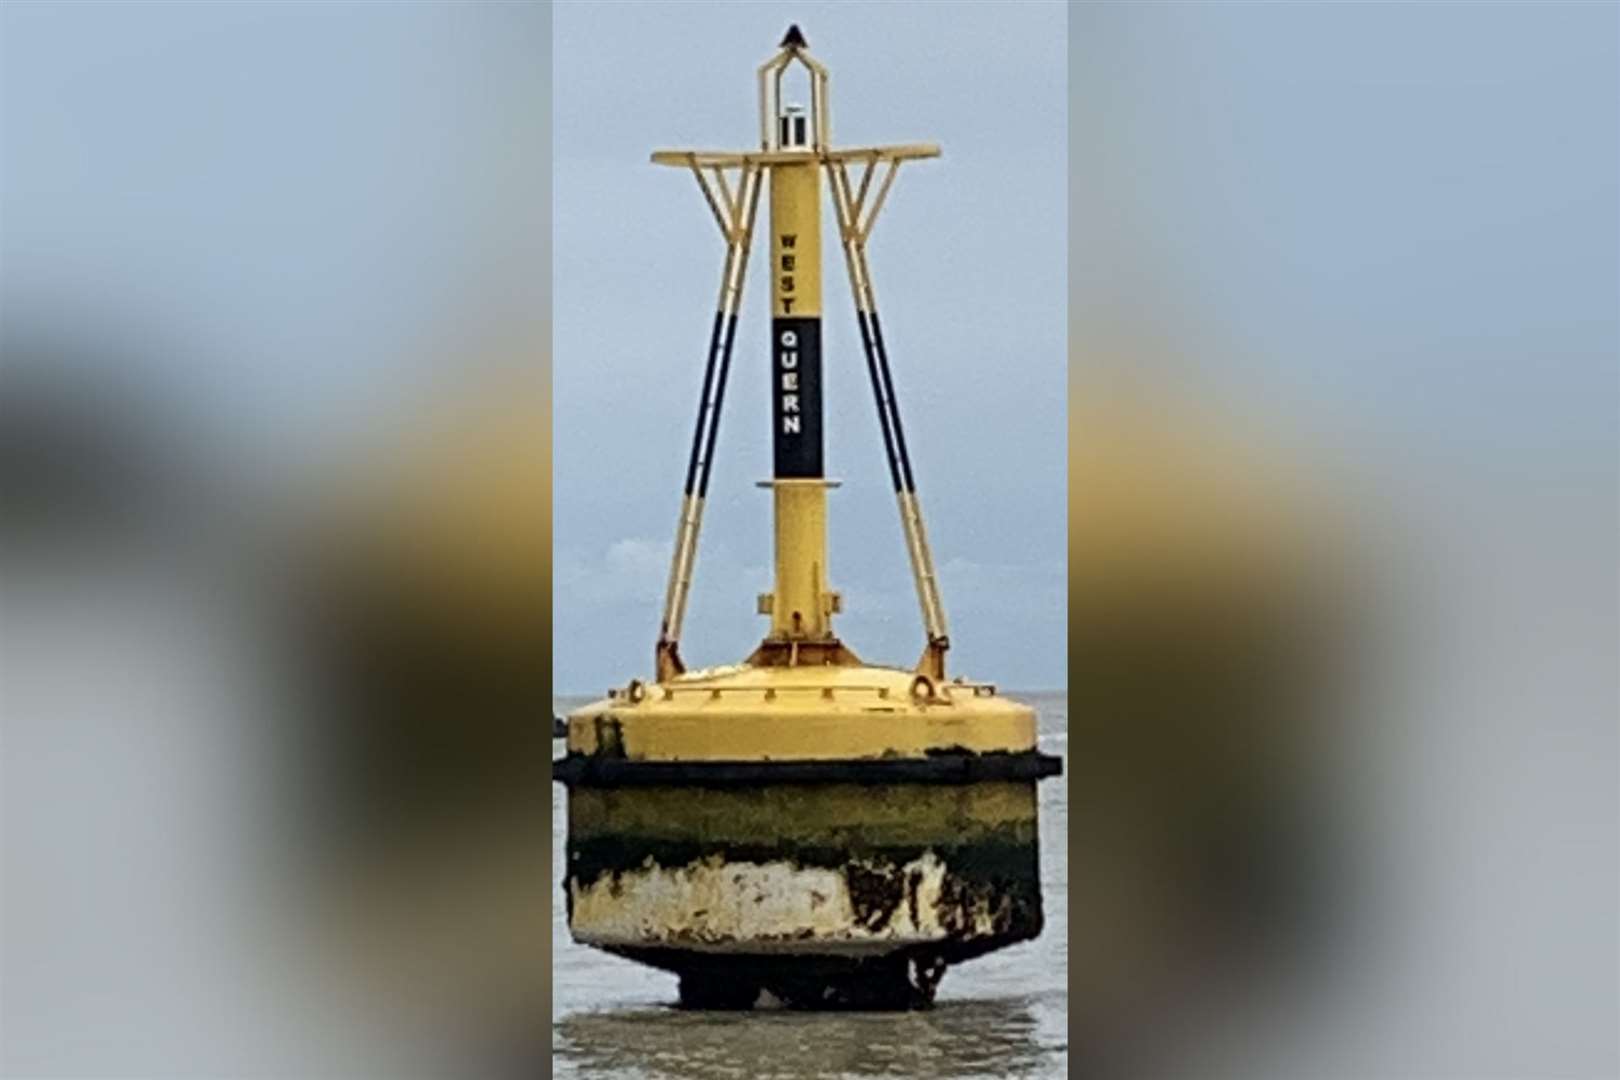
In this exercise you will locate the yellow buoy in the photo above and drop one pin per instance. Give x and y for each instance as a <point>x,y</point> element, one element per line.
<point>802,827</point>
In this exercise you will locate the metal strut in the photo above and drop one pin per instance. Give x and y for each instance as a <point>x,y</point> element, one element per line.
<point>855,221</point>
<point>735,215</point>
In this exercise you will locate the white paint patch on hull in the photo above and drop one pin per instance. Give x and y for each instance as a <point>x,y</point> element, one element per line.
<point>720,907</point>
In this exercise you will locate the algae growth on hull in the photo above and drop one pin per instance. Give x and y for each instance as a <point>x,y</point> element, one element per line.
<point>804,884</point>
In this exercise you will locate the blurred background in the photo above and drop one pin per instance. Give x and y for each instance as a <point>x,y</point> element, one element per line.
<point>274,462</point>
<point>1345,416</point>
<point>1344,494</point>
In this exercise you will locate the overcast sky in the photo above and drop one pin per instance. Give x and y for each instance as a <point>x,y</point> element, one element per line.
<point>1397,216</point>
<point>969,261</point>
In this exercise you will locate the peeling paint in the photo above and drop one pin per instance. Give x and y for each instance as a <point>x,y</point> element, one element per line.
<point>837,895</point>
<point>865,906</point>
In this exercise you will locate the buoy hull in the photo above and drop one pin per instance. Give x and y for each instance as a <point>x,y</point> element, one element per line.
<point>829,836</point>
<point>805,890</point>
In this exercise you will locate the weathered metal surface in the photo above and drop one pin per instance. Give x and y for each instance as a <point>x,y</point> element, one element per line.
<point>804,889</point>
<point>829,836</point>
<point>578,770</point>
<point>865,906</point>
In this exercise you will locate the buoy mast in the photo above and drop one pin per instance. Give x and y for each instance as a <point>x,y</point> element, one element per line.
<point>795,149</point>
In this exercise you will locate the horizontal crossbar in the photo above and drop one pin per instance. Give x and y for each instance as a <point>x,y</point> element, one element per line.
<point>706,159</point>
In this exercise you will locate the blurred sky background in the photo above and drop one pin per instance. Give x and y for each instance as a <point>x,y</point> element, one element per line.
<point>969,264</point>
<point>1403,216</point>
<point>275,222</point>
<point>240,244</point>
<point>1390,233</point>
